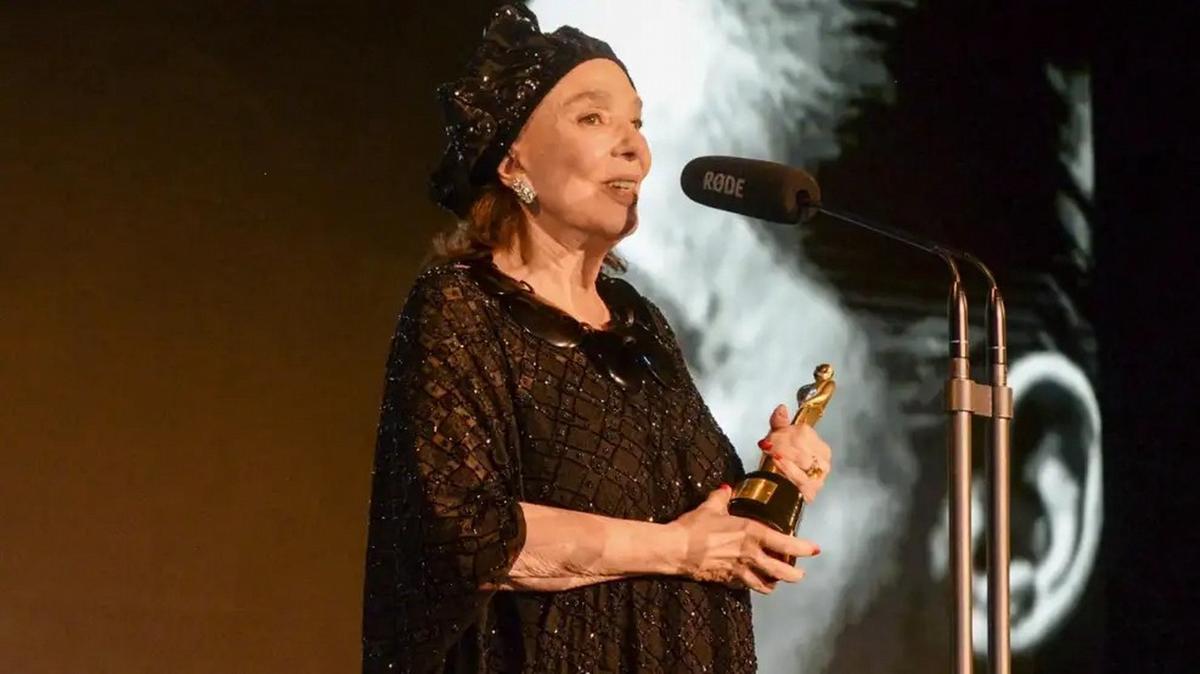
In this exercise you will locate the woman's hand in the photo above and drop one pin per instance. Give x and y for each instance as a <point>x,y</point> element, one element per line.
<point>736,551</point>
<point>803,457</point>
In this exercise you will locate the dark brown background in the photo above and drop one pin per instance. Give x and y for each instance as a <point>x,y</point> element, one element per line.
<point>210,218</point>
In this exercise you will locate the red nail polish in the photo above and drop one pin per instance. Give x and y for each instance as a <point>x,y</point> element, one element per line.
<point>725,485</point>
<point>816,551</point>
<point>764,444</point>
<point>776,455</point>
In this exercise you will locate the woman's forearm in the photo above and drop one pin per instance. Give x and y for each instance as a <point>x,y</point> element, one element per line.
<point>565,549</point>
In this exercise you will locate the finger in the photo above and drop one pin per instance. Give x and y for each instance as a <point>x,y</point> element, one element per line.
<point>752,581</point>
<point>718,499</point>
<point>809,485</point>
<point>787,545</point>
<point>798,443</point>
<point>797,477</point>
<point>815,444</point>
<point>810,489</point>
<point>797,454</point>
<point>776,568</point>
<point>820,450</point>
<point>779,417</point>
<point>767,580</point>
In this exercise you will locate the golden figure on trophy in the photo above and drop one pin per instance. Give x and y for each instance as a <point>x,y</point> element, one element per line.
<point>765,494</point>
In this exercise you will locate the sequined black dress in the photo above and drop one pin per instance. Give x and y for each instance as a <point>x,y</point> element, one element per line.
<point>478,414</point>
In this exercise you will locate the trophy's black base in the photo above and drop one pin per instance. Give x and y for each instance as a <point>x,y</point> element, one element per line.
<point>769,498</point>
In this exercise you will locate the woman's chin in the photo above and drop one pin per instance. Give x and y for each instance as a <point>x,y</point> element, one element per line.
<point>609,225</point>
<point>614,229</point>
<point>631,223</point>
<point>622,221</point>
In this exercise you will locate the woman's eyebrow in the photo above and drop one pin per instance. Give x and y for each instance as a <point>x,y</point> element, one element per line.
<point>596,96</point>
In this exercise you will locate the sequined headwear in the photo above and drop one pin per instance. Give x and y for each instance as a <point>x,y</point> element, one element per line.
<point>485,109</point>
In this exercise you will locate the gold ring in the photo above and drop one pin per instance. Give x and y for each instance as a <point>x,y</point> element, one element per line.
<point>815,470</point>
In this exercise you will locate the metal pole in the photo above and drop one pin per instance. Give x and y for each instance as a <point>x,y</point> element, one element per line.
<point>998,456</point>
<point>964,399</point>
<point>959,482</point>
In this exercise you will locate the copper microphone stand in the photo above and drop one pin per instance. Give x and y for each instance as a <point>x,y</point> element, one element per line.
<point>964,400</point>
<point>779,193</point>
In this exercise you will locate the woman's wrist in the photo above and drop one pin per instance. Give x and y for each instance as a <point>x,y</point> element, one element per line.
<point>665,547</point>
<point>563,543</point>
<point>646,548</point>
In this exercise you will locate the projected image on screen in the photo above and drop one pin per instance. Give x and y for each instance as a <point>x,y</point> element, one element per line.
<point>757,308</point>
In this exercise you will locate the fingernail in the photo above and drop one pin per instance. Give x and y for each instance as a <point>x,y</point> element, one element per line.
<point>725,485</point>
<point>764,444</point>
<point>776,455</point>
<point>816,551</point>
<point>778,409</point>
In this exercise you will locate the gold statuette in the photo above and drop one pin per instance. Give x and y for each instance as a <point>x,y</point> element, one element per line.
<point>766,495</point>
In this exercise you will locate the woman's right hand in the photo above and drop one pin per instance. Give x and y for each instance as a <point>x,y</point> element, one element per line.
<point>736,551</point>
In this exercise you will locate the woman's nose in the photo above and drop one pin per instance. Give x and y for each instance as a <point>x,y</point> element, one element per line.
<point>632,146</point>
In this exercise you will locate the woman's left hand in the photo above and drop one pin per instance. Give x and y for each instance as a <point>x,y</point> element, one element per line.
<point>799,453</point>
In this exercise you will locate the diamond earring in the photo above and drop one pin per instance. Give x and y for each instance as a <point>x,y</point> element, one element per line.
<point>524,190</point>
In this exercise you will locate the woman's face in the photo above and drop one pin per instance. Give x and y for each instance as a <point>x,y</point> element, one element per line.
<point>583,151</point>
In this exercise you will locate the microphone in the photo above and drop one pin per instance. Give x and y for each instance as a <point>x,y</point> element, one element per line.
<point>785,194</point>
<point>760,189</point>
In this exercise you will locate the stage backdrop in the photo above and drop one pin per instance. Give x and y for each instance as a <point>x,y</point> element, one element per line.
<point>963,125</point>
<point>211,215</point>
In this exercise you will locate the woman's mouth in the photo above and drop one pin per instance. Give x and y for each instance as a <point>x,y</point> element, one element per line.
<point>621,184</point>
<point>623,191</point>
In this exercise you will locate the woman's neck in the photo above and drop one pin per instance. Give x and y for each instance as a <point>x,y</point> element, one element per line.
<point>562,273</point>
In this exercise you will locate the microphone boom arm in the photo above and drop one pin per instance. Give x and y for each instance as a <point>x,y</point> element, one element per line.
<point>965,398</point>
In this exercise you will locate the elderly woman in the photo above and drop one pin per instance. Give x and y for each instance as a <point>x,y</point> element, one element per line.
<point>550,492</point>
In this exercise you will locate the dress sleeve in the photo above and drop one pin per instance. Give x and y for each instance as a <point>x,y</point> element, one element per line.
<point>444,517</point>
<point>698,429</point>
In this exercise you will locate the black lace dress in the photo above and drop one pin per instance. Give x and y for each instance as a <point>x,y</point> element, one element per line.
<point>480,413</point>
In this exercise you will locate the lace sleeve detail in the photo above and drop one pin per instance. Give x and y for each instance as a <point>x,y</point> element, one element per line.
<point>444,517</point>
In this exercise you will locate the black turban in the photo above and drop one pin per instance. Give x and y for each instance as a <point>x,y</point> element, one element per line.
<point>486,108</point>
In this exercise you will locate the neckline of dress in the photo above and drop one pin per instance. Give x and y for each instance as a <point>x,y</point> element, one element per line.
<point>621,311</point>
<point>631,352</point>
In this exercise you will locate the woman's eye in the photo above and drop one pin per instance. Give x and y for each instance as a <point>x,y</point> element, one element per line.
<point>591,118</point>
<point>637,124</point>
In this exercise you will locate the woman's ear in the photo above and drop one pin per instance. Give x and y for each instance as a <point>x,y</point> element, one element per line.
<point>509,168</point>
<point>1056,500</point>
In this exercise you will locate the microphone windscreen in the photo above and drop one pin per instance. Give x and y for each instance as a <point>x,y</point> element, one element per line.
<point>753,187</point>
